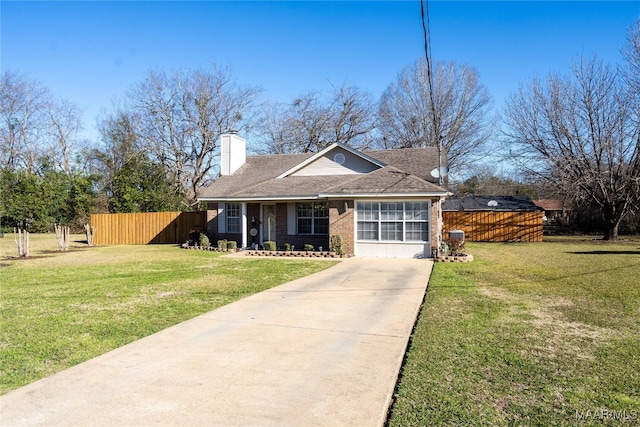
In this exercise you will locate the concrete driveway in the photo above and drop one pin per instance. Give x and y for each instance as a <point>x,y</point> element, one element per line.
<point>324,350</point>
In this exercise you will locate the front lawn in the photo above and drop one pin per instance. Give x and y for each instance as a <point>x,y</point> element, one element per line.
<point>528,334</point>
<point>59,309</point>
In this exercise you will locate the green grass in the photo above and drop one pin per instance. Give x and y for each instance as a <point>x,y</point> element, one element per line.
<point>527,334</point>
<point>60,309</point>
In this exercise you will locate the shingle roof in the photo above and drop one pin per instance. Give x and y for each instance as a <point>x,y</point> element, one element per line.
<point>387,180</point>
<point>406,171</point>
<point>416,161</point>
<point>481,203</point>
<point>550,204</point>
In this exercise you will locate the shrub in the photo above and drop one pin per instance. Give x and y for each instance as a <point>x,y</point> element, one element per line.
<point>232,245</point>
<point>204,241</point>
<point>287,247</point>
<point>455,247</point>
<point>335,244</point>
<point>270,245</point>
<point>222,245</point>
<point>308,247</point>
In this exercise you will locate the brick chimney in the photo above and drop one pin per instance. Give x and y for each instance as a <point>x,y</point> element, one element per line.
<point>233,153</point>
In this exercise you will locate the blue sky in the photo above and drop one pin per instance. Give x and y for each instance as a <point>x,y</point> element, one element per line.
<point>91,52</point>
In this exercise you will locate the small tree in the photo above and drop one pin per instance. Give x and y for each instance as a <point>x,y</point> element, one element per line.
<point>203,241</point>
<point>336,244</point>
<point>89,231</point>
<point>62,235</point>
<point>21,238</point>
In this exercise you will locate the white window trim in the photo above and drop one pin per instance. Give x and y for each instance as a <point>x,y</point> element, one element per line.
<point>312,218</point>
<point>239,216</point>
<point>404,221</point>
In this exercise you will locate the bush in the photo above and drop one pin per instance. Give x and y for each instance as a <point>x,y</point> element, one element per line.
<point>308,247</point>
<point>335,244</point>
<point>222,245</point>
<point>270,245</point>
<point>232,245</point>
<point>455,247</point>
<point>287,247</point>
<point>203,241</point>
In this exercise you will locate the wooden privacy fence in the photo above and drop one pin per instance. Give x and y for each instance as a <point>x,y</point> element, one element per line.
<point>496,226</point>
<point>148,227</point>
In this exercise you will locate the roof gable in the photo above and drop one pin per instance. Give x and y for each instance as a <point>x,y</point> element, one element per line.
<point>337,159</point>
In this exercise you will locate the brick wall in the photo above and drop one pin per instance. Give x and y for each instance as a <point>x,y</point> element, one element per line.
<point>298,240</point>
<point>341,222</point>
<point>212,221</point>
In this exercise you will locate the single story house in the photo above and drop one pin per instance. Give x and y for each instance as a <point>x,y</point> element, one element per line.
<point>555,211</point>
<point>383,203</point>
<point>490,204</point>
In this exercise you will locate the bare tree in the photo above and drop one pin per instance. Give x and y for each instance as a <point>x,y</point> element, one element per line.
<point>35,125</point>
<point>460,113</point>
<point>312,122</point>
<point>23,111</point>
<point>631,52</point>
<point>64,124</point>
<point>581,133</point>
<point>181,117</point>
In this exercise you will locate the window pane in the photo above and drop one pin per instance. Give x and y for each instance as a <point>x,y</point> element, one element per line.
<point>391,231</point>
<point>233,209</point>
<point>367,211</point>
<point>417,231</point>
<point>417,211</point>
<point>321,226</point>
<point>321,210</point>
<point>305,210</point>
<point>367,231</point>
<point>304,225</point>
<point>233,225</point>
<point>391,211</point>
<point>233,217</point>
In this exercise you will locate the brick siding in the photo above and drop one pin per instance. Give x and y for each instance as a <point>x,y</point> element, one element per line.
<point>341,222</point>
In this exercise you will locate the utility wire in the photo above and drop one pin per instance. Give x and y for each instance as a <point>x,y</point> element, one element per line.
<point>426,30</point>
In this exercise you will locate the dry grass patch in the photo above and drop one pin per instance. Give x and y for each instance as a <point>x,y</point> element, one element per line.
<point>527,334</point>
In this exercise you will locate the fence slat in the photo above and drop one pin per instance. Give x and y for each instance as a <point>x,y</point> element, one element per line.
<point>479,226</point>
<point>147,227</point>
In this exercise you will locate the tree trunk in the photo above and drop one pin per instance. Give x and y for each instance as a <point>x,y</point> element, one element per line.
<point>611,224</point>
<point>21,238</point>
<point>90,231</point>
<point>62,235</point>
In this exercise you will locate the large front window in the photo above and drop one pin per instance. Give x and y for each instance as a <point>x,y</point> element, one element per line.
<point>234,216</point>
<point>393,221</point>
<point>313,218</point>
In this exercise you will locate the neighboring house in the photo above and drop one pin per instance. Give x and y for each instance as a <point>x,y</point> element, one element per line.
<point>555,211</point>
<point>494,218</point>
<point>382,203</point>
<point>490,204</point>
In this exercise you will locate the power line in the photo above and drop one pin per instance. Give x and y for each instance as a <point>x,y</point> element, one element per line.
<point>426,30</point>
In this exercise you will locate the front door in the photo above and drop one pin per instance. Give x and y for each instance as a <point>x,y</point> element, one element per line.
<point>268,223</point>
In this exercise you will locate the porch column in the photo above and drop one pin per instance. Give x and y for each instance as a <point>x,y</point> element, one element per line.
<point>243,207</point>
